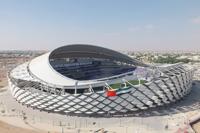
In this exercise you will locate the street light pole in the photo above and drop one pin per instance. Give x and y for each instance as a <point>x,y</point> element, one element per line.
<point>62,128</point>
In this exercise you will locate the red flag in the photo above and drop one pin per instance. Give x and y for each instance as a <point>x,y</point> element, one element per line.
<point>111,93</point>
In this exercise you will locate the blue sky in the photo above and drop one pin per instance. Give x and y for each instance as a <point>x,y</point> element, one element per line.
<point>117,24</point>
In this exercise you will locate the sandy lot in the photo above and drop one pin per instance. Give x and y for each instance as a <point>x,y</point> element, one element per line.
<point>196,127</point>
<point>3,83</point>
<point>6,128</point>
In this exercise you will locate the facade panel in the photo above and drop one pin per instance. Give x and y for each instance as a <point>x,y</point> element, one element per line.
<point>159,90</point>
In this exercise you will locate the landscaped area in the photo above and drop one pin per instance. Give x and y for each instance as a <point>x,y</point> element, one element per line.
<point>136,82</point>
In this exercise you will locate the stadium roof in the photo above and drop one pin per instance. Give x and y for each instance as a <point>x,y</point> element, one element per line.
<point>84,50</point>
<point>41,67</point>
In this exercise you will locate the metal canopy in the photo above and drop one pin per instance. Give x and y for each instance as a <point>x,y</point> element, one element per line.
<point>85,50</point>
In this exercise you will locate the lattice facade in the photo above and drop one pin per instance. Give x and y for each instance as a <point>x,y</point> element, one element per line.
<point>32,92</point>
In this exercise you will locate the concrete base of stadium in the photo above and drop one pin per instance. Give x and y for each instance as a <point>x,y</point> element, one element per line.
<point>171,118</point>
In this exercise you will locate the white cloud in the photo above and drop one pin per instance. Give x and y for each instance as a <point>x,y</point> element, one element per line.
<point>149,27</point>
<point>134,29</point>
<point>196,20</point>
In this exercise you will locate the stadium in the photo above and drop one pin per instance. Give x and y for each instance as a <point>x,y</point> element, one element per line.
<point>87,80</point>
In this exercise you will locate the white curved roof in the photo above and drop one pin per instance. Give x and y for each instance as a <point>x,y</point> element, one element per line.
<point>41,68</point>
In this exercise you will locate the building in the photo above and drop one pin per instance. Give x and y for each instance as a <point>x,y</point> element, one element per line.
<point>88,80</point>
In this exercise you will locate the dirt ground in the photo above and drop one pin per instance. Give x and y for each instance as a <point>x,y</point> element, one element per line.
<point>3,83</point>
<point>6,128</point>
<point>196,127</point>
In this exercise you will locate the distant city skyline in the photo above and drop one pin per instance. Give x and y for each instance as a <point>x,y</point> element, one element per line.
<point>120,25</point>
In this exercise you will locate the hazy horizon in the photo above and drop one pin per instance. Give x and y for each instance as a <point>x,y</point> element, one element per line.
<point>121,25</point>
